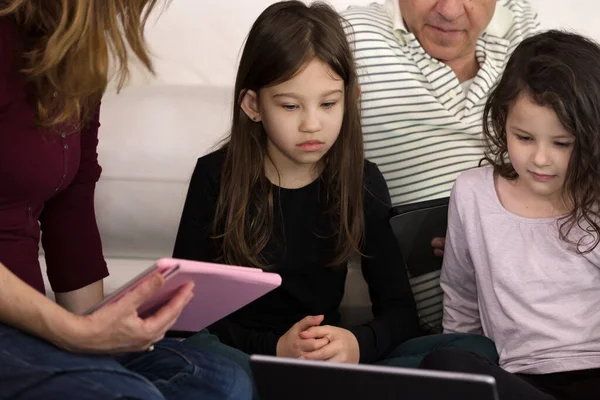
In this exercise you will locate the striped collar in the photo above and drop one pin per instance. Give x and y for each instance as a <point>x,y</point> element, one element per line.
<point>498,26</point>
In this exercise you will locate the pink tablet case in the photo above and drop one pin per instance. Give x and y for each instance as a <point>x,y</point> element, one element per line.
<point>219,290</point>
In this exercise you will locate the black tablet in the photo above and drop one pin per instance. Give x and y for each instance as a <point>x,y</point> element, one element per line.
<point>415,225</point>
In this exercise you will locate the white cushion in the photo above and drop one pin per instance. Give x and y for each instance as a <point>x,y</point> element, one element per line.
<point>150,140</point>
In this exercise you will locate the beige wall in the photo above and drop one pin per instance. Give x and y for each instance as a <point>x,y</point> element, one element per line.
<point>197,42</point>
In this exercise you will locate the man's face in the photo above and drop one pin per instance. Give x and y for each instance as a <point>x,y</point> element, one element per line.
<point>447,29</point>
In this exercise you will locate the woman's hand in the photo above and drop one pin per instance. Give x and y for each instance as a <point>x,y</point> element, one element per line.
<point>117,328</point>
<point>342,347</point>
<point>293,346</point>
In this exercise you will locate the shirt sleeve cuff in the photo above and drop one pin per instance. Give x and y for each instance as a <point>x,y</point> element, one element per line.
<point>366,342</point>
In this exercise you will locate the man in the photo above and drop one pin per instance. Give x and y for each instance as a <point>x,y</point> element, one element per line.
<point>426,67</point>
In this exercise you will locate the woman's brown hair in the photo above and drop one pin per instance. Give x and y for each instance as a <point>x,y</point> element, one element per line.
<point>68,46</point>
<point>284,38</point>
<point>559,70</point>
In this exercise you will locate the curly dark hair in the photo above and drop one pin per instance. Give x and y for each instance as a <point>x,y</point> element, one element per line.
<point>560,70</point>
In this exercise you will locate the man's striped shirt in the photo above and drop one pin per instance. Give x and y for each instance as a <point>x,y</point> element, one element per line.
<point>420,126</point>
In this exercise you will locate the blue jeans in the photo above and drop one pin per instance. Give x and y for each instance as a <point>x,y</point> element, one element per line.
<point>31,368</point>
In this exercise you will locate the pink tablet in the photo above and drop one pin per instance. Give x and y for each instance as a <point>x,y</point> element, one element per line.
<point>219,290</point>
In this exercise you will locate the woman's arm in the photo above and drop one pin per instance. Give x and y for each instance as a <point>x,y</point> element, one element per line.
<point>115,328</point>
<point>70,237</point>
<point>80,300</point>
<point>25,308</point>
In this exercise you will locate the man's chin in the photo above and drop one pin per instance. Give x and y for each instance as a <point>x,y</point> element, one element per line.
<point>443,53</point>
<point>443,50</point>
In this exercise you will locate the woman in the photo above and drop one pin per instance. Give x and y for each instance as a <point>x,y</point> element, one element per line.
<point>52,76</point>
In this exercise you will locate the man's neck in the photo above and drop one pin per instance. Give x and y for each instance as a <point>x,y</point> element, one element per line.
<point>465,67</point>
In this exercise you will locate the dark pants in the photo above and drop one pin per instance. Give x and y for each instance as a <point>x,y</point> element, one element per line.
<point>572,385</point>
<point>409,354</point>
<point>31,368</point>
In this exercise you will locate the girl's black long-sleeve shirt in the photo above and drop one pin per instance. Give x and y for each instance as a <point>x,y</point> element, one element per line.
<point>299,250</point>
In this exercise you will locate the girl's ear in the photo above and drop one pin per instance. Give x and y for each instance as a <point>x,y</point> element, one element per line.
<point>249,104</point>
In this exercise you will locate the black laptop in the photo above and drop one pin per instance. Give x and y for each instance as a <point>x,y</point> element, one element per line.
<point>279,378</point>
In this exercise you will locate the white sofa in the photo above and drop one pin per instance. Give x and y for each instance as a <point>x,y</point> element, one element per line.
<point>150,139</point>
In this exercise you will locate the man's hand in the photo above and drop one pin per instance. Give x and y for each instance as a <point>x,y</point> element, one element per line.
<point>342,347</point>
<point>438,244</point>
<point>292,345</point>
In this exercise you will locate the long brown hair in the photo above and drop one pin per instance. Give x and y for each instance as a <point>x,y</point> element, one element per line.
<point>560,70</point>
<point>68,45</point>
<point>283,39</point>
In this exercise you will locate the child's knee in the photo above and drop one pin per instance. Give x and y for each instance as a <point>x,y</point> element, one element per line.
<point>453,359</point>
<point>481,345</point>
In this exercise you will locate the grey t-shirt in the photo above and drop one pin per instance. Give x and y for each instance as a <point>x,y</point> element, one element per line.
<point>513,279</point>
